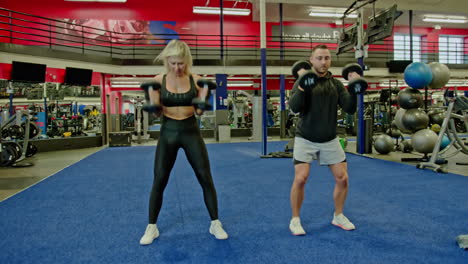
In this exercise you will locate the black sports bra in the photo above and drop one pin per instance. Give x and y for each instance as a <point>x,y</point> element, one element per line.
<point>178,99</point>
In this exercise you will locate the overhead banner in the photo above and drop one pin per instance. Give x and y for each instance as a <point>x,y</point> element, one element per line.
<point>100,31</point>
<point>307,34</point>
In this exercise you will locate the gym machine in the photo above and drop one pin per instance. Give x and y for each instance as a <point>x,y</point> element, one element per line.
<point>141,121</point>
<point>449,128</point>
<point>18,130</point>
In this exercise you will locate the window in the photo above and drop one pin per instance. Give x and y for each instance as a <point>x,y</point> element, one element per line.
<point>402,48</point>
<point>451,49</point>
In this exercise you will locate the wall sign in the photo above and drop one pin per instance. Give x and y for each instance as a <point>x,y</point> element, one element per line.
<point>307,34</point>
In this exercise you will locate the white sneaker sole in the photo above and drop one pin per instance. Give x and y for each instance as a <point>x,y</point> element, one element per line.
<point>219,238</point>
<point>342,227</point>
<point>297,234</point>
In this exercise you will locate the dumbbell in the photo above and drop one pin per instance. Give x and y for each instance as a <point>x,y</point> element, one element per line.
<point>298,65</point>
<point>149,87</point>
<point>356,85</point>
<point>201,102</point>
<point>308,79</point>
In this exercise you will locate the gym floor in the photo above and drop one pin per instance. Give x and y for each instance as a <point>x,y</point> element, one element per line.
<point>15,180</point>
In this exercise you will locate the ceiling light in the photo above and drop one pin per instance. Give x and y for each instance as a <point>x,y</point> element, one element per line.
<point>239,84</point>
<point>126,83</point>
<point>106,1</point>
<point>217,11</point>
<point>126,86</point>
<point>445,19</point>
<point>330,12</point>
<point>335,15</point>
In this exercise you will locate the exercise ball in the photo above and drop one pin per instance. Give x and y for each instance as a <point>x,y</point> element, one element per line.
<point>440,75</point>
<point>409,98</point>
<point>418,75</point>
<point>424,140</point>
<point>406,146</point>
<point>415,119</point>
<point>383,144</point>
<point>445,142</point>
<point>437,118</point>
<point>435,128</point>
<point>398,121</point>
<point>394,132</point>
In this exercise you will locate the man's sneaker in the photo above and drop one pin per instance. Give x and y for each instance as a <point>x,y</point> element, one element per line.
<point>343,222</point>
<point>216,229</point>
<point>151,233</point>
<point>296,227</point>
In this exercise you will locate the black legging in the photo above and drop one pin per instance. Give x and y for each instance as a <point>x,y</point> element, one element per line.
<point>183,134</point>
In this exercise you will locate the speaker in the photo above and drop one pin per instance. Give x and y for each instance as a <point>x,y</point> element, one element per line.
<point>398,66</point>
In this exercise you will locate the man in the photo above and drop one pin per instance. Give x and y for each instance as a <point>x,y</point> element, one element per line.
<point>316,138</point>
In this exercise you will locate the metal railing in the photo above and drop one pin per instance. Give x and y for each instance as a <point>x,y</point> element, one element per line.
<point>79,36</point>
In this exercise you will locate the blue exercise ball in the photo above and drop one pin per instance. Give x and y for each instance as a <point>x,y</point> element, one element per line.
<point>418,75</point>
<point>445,142</point>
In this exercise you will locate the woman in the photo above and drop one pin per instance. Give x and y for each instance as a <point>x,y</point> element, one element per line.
<point>179,129</point>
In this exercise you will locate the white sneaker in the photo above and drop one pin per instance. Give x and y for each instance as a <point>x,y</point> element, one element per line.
<point>217,230</point>
<point>151,233</point>
<point>296,227</point>
<point>343,222</point>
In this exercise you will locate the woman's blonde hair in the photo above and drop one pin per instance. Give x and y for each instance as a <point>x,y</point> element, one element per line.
<point>176,48</point>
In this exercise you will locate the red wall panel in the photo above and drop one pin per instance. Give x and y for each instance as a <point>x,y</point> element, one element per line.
<point>5,71</point>
<point>55,75</point>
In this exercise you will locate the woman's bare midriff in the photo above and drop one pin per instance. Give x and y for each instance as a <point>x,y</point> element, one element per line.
<point>178,112</point>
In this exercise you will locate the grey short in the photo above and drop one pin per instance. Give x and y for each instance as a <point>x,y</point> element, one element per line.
<point>326,153</point>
